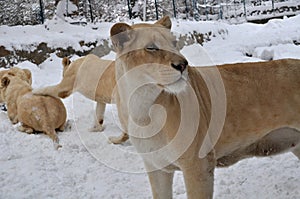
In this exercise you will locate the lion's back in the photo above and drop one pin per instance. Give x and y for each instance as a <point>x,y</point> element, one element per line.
<point>40,112</point>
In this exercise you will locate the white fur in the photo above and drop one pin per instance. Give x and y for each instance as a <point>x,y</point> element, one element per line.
<point>179,85</point>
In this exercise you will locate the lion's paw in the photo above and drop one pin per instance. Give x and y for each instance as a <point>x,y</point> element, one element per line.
<point>118,139</point>
<point>96,128</point>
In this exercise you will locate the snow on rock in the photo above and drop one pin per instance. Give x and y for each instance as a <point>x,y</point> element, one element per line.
<point>87,166</point>
<point>56,33</point>
<point>279,51</point>
<point>264,53</point>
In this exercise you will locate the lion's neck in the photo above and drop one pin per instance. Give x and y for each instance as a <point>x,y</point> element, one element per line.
<point>137,92</point>
<point>141,102</point>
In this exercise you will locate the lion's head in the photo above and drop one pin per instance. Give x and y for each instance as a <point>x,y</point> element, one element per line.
<point>22,74</point>
<point>150,48</point>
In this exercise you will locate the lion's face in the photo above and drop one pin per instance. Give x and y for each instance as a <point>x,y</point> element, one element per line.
<point>151,49</point>
<point>22,74</point>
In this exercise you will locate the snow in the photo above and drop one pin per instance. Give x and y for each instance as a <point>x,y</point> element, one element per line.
<point>87,166</point>
<point>56,33</point>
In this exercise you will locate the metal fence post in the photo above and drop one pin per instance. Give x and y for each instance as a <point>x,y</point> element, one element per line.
<point>91,11</point>
<point>220,10</point>
<point>145,10</point>
<point>186,9</point>
<point>245,11</point>
<point>195,10</point>
<point>174,8</point>
<point>67,8</point>
<point>206,12</point>
<point>42,11</point>
<point>129,9</point>
<point>156,9</point>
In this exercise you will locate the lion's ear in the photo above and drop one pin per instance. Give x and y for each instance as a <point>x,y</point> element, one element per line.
<point>165,21</point>
<point>5,82</point>
<point>66,62</point>
<point>28,76</point>
<point>120,33</point>
<point>11,73</point>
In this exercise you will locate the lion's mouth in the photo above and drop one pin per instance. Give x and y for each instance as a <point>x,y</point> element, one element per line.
<point>177,85</point>
<point>172,81</point>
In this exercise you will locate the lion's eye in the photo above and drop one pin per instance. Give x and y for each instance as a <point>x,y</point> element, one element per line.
<point>152,48</point>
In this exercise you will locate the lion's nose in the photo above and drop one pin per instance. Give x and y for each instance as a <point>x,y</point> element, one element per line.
<point>181,66</point>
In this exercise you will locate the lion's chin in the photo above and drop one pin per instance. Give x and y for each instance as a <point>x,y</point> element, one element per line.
<point>176,87</point>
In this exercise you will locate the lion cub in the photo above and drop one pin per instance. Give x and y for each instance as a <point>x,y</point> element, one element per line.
<point>36,113</point>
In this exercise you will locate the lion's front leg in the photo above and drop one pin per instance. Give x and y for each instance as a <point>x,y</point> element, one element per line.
<point>26,129</point>
<point>12,113</point>
<point>124,136</point>
<point>161,184</point>
<point>13,119</point>
<point>61,90</point>
<point>49,90</point>
<point>98,123</point>
<point>199,178</point>
<point>119,139</point>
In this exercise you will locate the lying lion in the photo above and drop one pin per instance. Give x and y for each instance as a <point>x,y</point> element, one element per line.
<point>92,77</point>
<point>36,113</point>
<point>168,108</point>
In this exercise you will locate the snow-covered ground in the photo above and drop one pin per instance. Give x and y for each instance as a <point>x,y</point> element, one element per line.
<point>87,166</point>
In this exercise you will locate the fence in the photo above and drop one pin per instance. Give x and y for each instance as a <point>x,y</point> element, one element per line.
<point>21,12</point>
